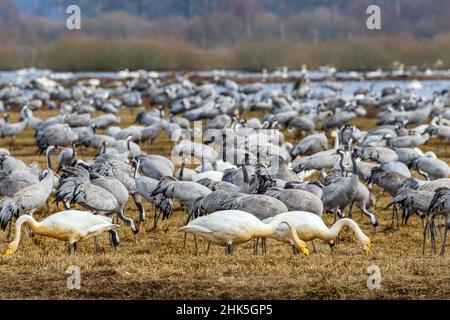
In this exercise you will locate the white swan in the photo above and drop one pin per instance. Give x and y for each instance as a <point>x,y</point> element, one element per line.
<point>309,226</point>
<point>71,226</point>
<point>230,227</point>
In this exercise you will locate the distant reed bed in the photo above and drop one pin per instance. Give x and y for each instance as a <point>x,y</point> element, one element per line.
<point>80,53</point>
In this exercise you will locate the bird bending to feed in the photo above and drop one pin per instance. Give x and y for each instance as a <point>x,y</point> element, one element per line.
<point>72,226</point>
<point>310,226</point>
<point>231,227</point>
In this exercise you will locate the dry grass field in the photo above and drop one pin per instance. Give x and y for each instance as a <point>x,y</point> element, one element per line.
<point>157,266</point>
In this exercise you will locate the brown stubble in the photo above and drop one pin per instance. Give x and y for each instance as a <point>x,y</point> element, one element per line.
<point>157,266</point>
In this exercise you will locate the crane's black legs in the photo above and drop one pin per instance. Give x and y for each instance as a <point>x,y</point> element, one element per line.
<point>228,248</point>
<point>96,247</point>
<point>114,238</point>
<point>447,226</point>
<point>138,202</point>
<point>433,235</point>
<point>314,246</point>
<point>185,234</point>
<point>425,229</point>
<point>350,211</point>
<point>69,248</point>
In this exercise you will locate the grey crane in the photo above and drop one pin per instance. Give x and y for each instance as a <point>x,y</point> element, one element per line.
<point>101,194</point>
<point>297,200</point>
<point>409,141</point>
<point>67,157</point>
<point>11,183</point>
<point>429,167</point>
<point>28,199</point>
<point>104,121</point>
<point>440,205</point>
<point>56,134</point>
<point>391,181</point>
<point>262,206</point>
<point>10,164</point>
<point>186,192</point>
<point>310,144</point>
<point>8,129</point>
<point>155,166</point>
<point>27,114</point>
<point>145,187</point>
<point>440,131</point>
<point>336,196</point>
<point>318,161</point>
<point>108,166</point>
<point>315,187</point>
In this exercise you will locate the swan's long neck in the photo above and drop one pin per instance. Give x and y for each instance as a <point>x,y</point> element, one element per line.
<point>336,229</point>
<point>25,219</point>
<point>269,229</point>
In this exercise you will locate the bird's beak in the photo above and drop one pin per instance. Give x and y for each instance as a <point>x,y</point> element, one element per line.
<point>367,247</point>
<point>307,252</point>
<point>8,252</point>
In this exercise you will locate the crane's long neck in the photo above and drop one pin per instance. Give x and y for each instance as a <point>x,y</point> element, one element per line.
<point>103,150</point>
<point>245,174</point>
<point>244,188</point>
<point>224,147</point>
<point>336,141</point>
<point>350,145</point>
<point>183,164</point>
<point>74,150</point>
<point>136,169</point>
<point>47,182</point>
<point>128,145</point>
<point>341,164</point>
<point>125,219</point>
<point>49,160</point>
<point>333,232</point>
<point>269,229</point>
<point>355,168</point>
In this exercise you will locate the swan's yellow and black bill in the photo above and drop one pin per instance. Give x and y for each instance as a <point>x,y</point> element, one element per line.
<point>8,252</point>
<point>307,251</point>
<point>368,246</point>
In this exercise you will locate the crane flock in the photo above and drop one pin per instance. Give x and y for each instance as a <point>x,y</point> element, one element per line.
<point>269,163</point>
